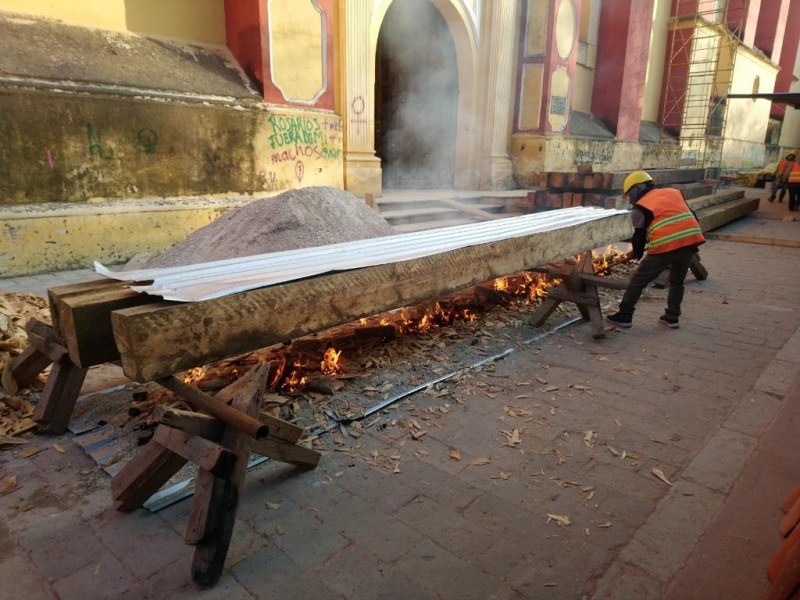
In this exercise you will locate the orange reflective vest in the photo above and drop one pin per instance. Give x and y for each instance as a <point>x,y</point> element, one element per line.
<point>794,174</point>
<point>674,225</point>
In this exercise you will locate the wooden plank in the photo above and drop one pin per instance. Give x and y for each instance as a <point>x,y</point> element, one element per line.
<point>543,312</point>
<point>26,366</point>
<point>204,453</point>
<point>722,214</point>
<point>85,325</point>
<point>76,289</point>
<point>58,397</point>
<point>219,505</point>
<point>280,429</point>
<point>752,239</point>
<point>42,337</point>
<point>286,452</point>
<point>216,407</point>
<point>161,339</point>
<point>193,423</point>
<point>143,475</point>
<point>471,210</point>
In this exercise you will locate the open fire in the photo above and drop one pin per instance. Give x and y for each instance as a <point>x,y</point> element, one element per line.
<point>298,364</point>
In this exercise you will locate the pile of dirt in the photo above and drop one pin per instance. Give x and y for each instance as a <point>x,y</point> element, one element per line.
<point>302,218</point>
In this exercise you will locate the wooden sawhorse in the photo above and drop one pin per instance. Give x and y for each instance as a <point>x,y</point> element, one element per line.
<point>578,285</point>
<point>220,446</point>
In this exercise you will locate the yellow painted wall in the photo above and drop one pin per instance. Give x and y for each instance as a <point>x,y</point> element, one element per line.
<point>297,44</point>
<point>656,61</point>
<point>582,89</point>
<point>195,20</point>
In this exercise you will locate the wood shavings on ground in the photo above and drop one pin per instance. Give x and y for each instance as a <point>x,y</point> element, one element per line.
<point>15,410</point>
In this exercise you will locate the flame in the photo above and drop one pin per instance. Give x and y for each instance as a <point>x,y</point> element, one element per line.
<point>362,321</point>
<point>501,284</point>
<point>193,375</point>
<point>330,362</point>
<point>294,381</point>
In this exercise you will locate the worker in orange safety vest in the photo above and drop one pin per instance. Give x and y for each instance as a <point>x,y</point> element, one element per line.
<point>794,187</point>
<point>782,175</point>
<point>668,230</point>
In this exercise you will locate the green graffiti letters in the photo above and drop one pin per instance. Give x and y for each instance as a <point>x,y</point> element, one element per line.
<point>95,143</point>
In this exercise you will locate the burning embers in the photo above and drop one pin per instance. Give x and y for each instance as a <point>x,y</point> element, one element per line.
<point>321,363</point>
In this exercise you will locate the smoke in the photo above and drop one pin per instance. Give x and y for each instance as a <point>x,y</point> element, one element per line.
<point>417,97</point>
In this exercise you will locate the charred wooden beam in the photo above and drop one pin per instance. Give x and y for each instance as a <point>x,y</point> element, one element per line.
<point>161,339</point>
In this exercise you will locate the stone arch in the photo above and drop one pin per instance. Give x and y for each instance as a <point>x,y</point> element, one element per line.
<point>463,33</point>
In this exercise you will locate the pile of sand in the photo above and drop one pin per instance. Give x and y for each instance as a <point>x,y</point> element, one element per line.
<point>313,216</point>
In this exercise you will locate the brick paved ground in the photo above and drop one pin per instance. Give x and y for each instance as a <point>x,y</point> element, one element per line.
<point>709,405</point>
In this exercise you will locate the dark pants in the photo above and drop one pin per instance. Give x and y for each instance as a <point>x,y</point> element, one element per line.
<point>778,185</point>
<point>651,266</point>
<point>794,196</point>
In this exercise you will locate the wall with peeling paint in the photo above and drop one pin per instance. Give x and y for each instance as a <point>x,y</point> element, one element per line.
<point>79,173</point>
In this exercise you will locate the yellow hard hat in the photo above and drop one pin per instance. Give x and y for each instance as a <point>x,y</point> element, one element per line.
<point>634,178</point>
<point>792,153</point>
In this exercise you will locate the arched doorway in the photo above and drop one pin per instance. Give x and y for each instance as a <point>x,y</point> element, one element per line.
<point>416,97</point>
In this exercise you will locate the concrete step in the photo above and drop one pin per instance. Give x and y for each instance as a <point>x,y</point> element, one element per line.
<point>398,215</point>
<point>421,225</point>
<point>718,215</point>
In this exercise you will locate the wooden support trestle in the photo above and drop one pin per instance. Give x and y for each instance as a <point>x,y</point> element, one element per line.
<point>578,285</point>
<point>63,383</point>
<point>696,267</point>
<point>220,448</point>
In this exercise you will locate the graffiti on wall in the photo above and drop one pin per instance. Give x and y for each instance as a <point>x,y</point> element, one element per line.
<point>146,140</point>
<point>311,144</point>
<point>96,143</point>
<point>598,154</point>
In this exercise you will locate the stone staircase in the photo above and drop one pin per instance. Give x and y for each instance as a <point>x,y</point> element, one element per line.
<point>414,210</point>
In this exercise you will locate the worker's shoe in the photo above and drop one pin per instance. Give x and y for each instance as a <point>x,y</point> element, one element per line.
<point>670,322</point>
<point>620,320</point>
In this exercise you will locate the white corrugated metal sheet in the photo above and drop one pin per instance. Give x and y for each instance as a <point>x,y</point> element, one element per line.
<point>193,283</point>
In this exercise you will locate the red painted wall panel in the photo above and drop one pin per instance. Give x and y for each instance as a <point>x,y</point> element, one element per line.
<point>247,33</point>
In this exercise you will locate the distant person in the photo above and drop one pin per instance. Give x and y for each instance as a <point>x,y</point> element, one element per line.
<point>667,229</point>
<point>793,181</point>
<point>782,174</point>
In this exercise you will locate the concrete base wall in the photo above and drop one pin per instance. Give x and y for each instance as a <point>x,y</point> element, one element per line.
<point>64,146</point>
<point>59,236</point>
<point>99,176</point>
<point>744,154</point>
<point>533,154</point>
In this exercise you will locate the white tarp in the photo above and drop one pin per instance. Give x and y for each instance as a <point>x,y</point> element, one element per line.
<point>204,281</point>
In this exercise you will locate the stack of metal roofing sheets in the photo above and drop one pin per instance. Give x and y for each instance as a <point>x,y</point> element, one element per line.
<point>204,281</point>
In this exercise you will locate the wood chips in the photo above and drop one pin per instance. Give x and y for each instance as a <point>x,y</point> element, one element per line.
<point>15,410</point>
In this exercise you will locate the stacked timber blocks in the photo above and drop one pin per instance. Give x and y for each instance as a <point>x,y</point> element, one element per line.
<point>563,190</point>
<point>586,188</point>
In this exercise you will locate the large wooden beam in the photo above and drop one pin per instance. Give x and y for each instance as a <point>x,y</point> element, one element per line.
<point>84,324</point>
<point>722,214</point>
<point>158,340</point>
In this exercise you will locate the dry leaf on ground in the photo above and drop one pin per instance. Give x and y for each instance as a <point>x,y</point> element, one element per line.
<point>560,520</point>
<point>479,462</point>
<point>8,485</point>
<point>660,474</point>
<point>455,454</point>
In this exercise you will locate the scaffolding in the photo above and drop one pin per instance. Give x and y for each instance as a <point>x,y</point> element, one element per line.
<point>701,53</point>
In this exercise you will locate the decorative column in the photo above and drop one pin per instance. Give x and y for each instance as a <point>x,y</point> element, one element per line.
<point>499,47</point>
<point>621,68</point>
<point>362,169</point>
